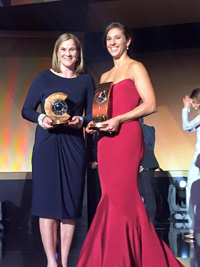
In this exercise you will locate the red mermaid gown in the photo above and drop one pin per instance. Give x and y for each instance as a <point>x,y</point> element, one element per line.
<point>121,235</point>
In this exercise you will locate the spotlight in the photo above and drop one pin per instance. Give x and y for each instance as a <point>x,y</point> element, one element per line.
<point>177,198</point>
<point>180,182</point>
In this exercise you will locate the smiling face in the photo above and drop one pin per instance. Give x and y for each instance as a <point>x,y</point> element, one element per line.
<point>68,54</point>
<point>116,42</point>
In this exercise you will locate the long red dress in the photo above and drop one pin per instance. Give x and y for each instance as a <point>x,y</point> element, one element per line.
<point>121,235</point>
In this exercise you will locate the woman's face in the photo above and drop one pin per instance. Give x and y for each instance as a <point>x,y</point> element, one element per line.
<point>68,54</point>
<point>116,42</point>
<point>195,103</point>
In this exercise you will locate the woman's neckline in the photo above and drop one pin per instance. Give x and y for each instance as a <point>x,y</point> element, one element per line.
<point>54,73</point>
<point>121,81</point>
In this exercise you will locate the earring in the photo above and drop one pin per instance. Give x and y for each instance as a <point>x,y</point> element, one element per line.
<point>127,47</point>
<point>58,59</point>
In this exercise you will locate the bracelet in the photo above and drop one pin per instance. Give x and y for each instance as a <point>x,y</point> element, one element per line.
<point>41,118</point>
<point>80,122</point>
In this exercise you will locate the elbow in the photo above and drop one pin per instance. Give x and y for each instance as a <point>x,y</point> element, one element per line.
<point>151,106</point>
<point>186,129</point>
<point>23,114</point>
<point>153,109</point>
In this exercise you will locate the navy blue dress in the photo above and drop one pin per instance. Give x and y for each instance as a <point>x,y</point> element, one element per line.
<point>59,155</point>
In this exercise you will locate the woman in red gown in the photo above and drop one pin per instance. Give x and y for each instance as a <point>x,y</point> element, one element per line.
<point>121,234</point>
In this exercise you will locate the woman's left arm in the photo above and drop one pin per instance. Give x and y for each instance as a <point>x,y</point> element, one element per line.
<point>147,95</point>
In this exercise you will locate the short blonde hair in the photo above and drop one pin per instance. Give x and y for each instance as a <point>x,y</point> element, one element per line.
<point>64,37</point>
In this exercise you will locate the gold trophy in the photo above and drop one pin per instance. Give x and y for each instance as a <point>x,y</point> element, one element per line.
<point>100,105</point>
<point>56,108</point>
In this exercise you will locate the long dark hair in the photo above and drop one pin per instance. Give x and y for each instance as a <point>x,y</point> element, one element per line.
<point>125,30</point>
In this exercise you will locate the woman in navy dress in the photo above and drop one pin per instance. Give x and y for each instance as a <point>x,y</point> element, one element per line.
<point>58,160</point>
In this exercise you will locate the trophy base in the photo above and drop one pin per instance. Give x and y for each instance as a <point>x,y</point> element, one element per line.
<point>59,122</point>
<point>97,126</point>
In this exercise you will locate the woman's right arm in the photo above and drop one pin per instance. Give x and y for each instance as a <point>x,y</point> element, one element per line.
<point>32,101</point>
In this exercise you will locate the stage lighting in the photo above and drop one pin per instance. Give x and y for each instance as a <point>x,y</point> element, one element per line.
<point>177,198</point>
<point>180,182</point>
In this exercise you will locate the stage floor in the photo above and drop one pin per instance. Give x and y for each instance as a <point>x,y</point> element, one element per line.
<point>22,247</point>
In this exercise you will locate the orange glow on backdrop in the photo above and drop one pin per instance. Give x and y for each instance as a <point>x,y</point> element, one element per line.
<point>17,134</point>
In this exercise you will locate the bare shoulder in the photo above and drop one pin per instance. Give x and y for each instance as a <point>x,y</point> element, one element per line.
<point>137,69</point>
<point>136,66</point>
<point>105,76</point>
